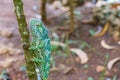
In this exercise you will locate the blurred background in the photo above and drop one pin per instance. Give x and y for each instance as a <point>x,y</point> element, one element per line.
<point>85,38</point>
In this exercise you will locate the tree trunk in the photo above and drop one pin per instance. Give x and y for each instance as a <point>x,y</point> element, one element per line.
<point>43,10</point>
<point>18,4</point>
<point>72,18</point>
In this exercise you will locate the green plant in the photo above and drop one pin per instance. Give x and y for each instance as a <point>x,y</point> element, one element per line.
<point>4,75</point>
<point>90,78</point>
<point>84,44</point>
<point>105,63</point>
<point>115,77</point>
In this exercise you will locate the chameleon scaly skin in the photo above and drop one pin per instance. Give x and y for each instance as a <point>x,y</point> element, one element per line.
<point>40,44</point>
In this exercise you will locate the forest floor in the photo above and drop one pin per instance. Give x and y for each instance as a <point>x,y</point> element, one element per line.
<point>12,57</point>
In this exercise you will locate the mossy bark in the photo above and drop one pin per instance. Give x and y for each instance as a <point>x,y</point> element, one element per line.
<point>72,18</point>
<point>25,38</point>
<point>43,10</point>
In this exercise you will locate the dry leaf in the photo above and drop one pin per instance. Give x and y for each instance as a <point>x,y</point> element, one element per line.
<point>82,55</point>
<point>68,70</point>
<point>58,43</point>
<point>112,62</point>
<point>103,31</point>
<point>106,46</point>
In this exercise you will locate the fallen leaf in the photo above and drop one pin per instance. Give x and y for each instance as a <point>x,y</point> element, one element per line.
<point>106,46</point>
<point>68,70</point>
<point>58,43</point>
<point>112,62</point>
<point>103,31</point>
<point>82,55</point>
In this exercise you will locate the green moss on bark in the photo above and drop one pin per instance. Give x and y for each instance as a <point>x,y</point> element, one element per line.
<point>18,4</point>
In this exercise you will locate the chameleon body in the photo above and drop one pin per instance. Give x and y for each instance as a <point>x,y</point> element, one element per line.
<point>40,44</point>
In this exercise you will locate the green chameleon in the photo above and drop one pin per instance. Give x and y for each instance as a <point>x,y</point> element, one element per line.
<point>40,44</point>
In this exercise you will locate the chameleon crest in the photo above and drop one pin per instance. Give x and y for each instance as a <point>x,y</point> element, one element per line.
<point>40,44</point>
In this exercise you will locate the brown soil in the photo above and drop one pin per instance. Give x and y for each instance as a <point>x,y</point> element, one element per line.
<point>78,72</point>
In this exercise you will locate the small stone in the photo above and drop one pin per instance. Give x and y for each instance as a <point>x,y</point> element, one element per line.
<point>4,50</point>
<point>100,68</point>
<point>107,73</point>
<point>6,33</point>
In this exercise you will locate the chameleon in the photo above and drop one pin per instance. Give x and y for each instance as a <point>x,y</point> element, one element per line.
<point>40,45</point>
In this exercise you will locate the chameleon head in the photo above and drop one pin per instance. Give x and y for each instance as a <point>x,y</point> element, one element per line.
<point>35,26</point>
<point>35,22</point>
